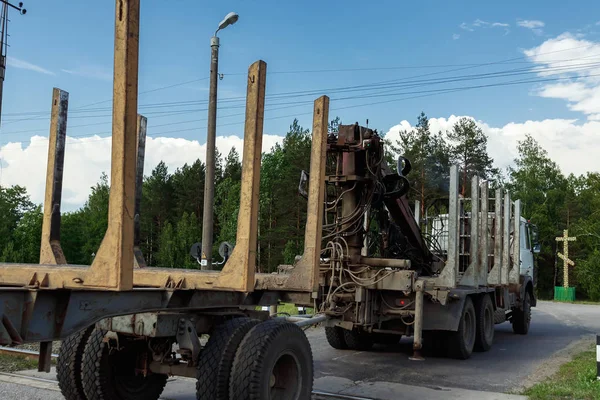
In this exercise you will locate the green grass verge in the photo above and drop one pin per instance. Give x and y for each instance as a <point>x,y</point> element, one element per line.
<point>9,363</point>
<point>291,309</point>
<point>575,380</point>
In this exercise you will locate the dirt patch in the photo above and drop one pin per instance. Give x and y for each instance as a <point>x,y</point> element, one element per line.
<point>551,365</point>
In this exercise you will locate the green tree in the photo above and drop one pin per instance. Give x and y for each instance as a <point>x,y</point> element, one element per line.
<point>468,149</point>
<point>428,155</point>
<point>538,182</point>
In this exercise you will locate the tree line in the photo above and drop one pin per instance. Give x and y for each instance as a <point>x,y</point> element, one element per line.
<point>172,203</point>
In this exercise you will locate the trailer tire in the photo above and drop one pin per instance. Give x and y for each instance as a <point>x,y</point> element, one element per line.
<point>485,323</point>
<point>462,342</point>
<point>274,361</point>
<point>335,337</point>
<point>68,365</point>
<point>521,318</point>
<point>101,380</point>
<point>216,359</point>
<point>357,340</point>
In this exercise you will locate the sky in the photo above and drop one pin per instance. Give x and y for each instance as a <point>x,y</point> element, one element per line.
<point>516,68</point>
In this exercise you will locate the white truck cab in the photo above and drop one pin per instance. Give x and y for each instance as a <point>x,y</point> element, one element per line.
<point>529,246</point>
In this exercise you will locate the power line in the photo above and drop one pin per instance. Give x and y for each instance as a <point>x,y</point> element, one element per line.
<point>427,94</point>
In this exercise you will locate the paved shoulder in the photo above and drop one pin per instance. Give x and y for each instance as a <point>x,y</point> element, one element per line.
<point>398,391</point>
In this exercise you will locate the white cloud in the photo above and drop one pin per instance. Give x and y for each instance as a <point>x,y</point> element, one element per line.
<point>573,146</point>
<point>478,23</point>
<point>531,24</point>
<point>569,56</point>
<point>86,158</point>
<point>21,64</point>
<point>535,25</point>
<point>91,71</point>
<point>465,27</point>
<point>455,36</point>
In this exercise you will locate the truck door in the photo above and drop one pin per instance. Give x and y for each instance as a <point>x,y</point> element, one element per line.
<point>526,250</point>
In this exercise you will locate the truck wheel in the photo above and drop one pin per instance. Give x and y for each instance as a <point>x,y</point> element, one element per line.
<point>485,323</point>
<point>521,318</point>
<point>357,340</point>
<point>461,342</point>
<point>112,376</point>
<point>274,361</point>
<point>68,365</point>
<point>335,337</point>
<point>217,357</point>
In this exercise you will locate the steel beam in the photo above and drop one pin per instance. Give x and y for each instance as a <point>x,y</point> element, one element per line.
<point>113,265</point>
<point>305,275</point>
<point>138,259</point>
<point>449,274</point>
<point>50,249</point>
<point>506,259</point>
<point>495,275</point>
<point>484,236</point>
<point>471,275</point>
<point>515,272</point>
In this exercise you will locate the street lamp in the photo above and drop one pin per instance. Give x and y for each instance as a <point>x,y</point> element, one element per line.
<point>209,178</point>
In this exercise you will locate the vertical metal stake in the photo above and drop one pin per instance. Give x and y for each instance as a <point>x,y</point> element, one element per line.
<point>50,249</point>
<point>138,259</point>
<point>113,265</point>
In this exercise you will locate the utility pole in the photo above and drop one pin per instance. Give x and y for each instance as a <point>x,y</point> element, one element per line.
<point>4,41</point>
<point>209,178</point>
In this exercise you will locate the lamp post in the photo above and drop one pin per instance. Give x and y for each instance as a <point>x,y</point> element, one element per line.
<point>209,178</point>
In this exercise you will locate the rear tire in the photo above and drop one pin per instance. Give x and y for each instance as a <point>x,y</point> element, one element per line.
<point>357,340</point>
<point>274,361</point>
<point>68,365</point>
<point>521,318</point>
<point>217,358</point>
<point>112,376</point>
<point>462,342</point>
<point>485,323</point>
<point>335,337</point>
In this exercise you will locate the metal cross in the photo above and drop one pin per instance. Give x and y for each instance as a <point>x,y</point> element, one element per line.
<point>565,257</point>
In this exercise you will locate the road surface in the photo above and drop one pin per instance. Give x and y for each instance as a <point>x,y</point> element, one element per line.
<point>386,373</point>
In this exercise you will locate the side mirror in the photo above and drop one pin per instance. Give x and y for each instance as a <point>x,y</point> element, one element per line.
<point>536,248</point>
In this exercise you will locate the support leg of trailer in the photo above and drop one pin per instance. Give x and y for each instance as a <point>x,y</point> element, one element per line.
<point>418,333</point>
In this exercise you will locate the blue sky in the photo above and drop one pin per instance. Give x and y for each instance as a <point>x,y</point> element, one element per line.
<point>69,44</point>
<point>76,36</point>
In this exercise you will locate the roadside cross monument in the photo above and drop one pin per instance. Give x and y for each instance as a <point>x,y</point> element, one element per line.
<point>565,255</point>
<point>565,293</point>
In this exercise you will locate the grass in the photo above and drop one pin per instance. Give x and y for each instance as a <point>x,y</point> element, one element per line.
<point>291,309</point>
<point>10,363</point>
<point>575,380</point>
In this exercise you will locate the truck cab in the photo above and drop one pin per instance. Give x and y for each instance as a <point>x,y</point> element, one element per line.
<point>529,246</point>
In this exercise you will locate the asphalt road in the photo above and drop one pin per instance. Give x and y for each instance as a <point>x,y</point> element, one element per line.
<point>510,361</point>
<point>384,372</point>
